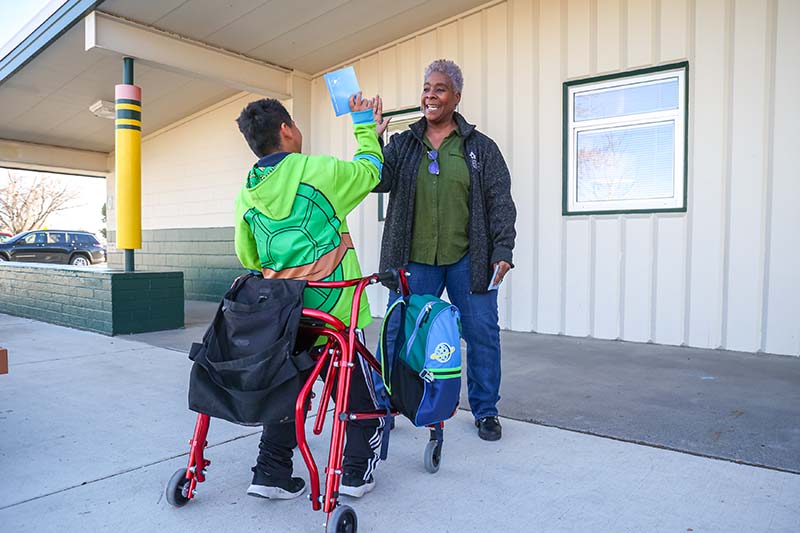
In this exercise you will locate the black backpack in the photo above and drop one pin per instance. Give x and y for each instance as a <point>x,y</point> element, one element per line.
<point>246,370</point>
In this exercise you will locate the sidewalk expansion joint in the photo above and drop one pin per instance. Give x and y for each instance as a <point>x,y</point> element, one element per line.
<point>84,356</point>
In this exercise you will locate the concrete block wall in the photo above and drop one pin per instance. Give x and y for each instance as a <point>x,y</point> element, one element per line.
<point>206,256</point>
<point>104,301</point>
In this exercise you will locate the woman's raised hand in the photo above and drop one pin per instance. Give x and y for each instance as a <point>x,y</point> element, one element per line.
<point>381,123</point>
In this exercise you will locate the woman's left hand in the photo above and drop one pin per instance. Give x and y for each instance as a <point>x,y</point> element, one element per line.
<point>501,273</point>
<point>381,123</point>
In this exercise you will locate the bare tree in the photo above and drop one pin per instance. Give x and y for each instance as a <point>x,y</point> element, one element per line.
<point>26,202</point>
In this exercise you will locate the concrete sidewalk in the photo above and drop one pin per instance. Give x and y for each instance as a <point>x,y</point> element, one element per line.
<point>91,428</point>
<point>715,403</point>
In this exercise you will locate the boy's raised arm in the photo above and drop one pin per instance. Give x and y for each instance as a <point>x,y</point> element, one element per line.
<point>355,179</point>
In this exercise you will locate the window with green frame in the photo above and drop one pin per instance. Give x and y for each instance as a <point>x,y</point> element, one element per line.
<point>625,142</point>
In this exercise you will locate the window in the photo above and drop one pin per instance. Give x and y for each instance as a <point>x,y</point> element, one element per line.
<point>81,238</point>
<point>625,142</point>
<point>401,120</point>
<point>35,238</point>
<point>55,238</point>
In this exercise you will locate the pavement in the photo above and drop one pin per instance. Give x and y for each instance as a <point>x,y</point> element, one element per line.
<point>597,437</point>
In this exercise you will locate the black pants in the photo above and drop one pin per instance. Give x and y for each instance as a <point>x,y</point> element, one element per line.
<point>362,437</point>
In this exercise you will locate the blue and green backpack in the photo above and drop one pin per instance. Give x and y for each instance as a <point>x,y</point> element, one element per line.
<point>422,370</point>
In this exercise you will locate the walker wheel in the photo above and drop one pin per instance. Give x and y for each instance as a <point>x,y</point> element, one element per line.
<point>177,491</point>
<point>433,456</point>
<point>343,519</point>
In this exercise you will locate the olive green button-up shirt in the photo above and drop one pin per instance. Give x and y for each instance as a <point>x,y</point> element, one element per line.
<point>441,206</point>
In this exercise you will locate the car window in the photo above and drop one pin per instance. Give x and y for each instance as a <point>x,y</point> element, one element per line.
<point>34,238</point>
<point>55,238</point>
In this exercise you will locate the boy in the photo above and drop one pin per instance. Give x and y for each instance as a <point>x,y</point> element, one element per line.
<point>290,224</point>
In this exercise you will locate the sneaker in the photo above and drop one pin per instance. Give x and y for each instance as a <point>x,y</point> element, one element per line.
<point>265,486</point>
<point>354,484</point>
<point>489,428</point>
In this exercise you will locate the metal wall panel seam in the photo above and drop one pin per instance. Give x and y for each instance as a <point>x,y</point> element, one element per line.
<point>592,275</point>
<point>536,138</point>
<point>769,165</point>
<point>655,25</point>
<point>623,29</point>
<point>509,140</point>
<point>691,16</point>
<point>592,220</point>
<point>654,220</point>
<point>730,16</point>
<point>563,60</point>
<point>622,273</point>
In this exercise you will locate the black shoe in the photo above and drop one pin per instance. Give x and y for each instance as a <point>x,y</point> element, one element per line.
<point>489,428</point>
<point>266,486</point>
<point>353,484</point>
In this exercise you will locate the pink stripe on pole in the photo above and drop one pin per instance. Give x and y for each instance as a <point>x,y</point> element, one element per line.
<point>131,92</point>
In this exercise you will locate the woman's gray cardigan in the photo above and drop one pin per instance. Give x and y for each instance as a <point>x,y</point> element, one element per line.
<point>491,209</point>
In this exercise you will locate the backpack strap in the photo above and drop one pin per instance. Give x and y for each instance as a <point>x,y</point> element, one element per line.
<point>385,370</point>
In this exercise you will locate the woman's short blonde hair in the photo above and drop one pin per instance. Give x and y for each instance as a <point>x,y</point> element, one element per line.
<point>449,69</point>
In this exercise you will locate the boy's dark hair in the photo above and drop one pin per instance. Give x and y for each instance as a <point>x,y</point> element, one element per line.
<point>260,123</point>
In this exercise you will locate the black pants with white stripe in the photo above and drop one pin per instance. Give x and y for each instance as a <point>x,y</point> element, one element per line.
<point>362,441</point>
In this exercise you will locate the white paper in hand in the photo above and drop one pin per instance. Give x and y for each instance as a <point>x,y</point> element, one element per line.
<point>342,84</point>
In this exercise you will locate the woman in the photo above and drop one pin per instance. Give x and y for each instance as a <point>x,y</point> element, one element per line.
<point>450,222</point>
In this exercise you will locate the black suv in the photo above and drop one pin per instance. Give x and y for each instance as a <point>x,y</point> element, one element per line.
<point>78,248</point>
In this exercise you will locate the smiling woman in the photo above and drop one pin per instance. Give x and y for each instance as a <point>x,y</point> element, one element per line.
<point>450,222</point>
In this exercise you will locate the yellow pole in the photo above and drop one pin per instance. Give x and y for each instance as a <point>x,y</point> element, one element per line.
<point>128,164</point>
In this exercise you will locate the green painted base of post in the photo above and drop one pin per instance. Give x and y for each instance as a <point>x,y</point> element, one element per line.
<point>130,265</point>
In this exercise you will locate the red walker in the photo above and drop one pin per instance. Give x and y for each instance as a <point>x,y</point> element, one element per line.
<point>340,350</point>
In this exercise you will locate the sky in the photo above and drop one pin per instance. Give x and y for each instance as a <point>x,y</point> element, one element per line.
<point>14,14</point>
<point>85,213</point>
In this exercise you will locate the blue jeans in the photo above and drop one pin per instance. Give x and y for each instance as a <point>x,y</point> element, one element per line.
<point>479,324</point>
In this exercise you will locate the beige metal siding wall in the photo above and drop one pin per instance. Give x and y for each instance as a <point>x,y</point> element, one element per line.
<point>724,274</point>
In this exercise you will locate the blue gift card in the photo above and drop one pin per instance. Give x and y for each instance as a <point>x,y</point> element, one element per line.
<point>342,84</point>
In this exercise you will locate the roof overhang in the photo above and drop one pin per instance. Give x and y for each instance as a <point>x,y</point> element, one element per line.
<point>30,156</point>
<point>42,34</point>
<point>190,55</point>
<point>178,54</point>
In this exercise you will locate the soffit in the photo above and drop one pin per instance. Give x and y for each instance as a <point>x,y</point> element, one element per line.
<point>47,101</point>
<point>306,35</point>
